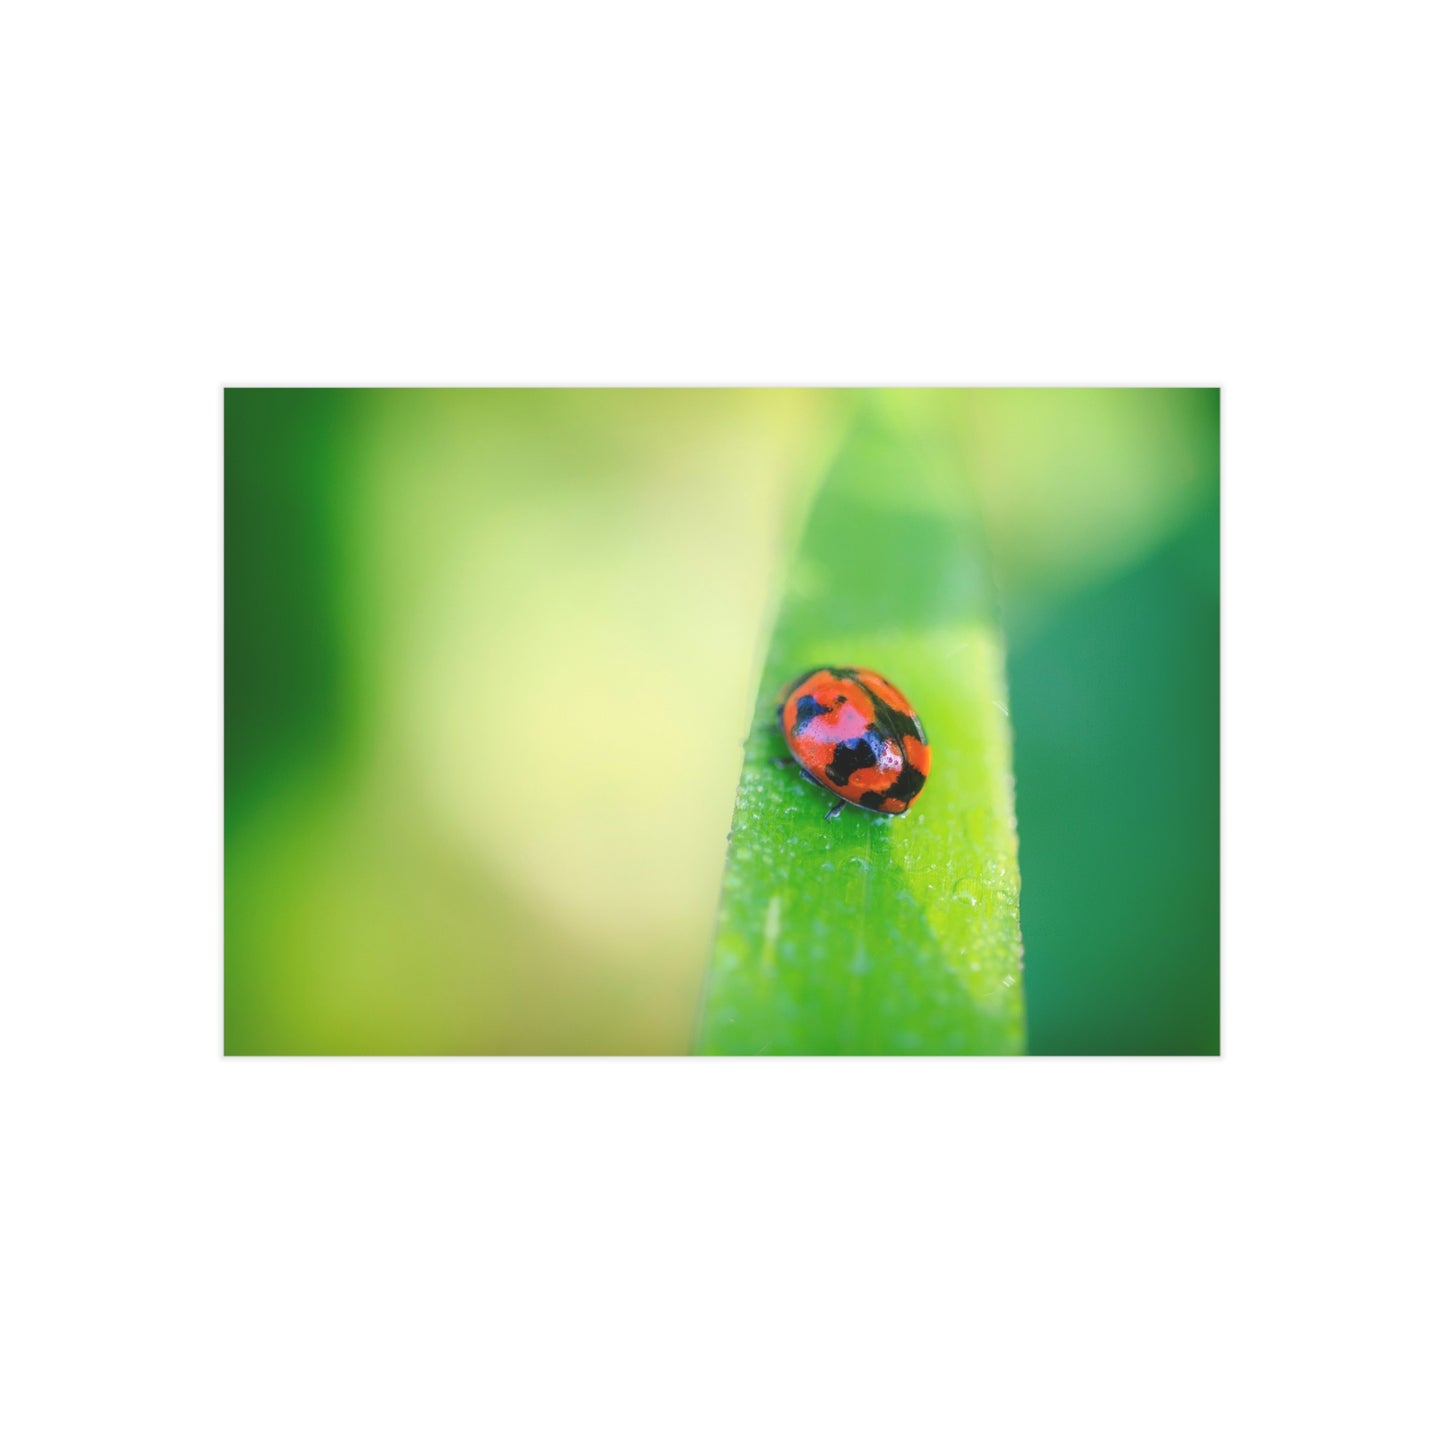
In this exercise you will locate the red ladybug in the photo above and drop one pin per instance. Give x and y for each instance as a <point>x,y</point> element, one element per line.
<point>855,734</point>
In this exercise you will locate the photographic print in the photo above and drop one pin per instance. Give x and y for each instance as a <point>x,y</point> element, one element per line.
<point>748,722</point>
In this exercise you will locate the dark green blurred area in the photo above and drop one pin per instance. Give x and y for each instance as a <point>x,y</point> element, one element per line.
<point>489,656</point>
<point>1115,705</point>
<point>284,675</point>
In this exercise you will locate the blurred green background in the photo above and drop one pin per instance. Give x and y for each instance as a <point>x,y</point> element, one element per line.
<point>490,656</point>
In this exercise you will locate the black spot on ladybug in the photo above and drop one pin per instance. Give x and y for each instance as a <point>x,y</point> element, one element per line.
<point>849,756</point>
<point>901,724</point>
<point>872,800</point>
<point>808,709</point>
<point>908,784</point>
<point>906,725</point>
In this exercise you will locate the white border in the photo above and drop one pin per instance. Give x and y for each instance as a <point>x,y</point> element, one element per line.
<point>662,1250</point>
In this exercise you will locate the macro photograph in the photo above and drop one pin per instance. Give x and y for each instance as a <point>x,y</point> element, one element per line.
<point>746,722</point>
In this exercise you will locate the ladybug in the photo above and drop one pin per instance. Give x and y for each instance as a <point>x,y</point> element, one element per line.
<point>853,733</point>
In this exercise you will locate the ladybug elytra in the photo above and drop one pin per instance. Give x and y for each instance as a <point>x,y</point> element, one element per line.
<point>853,733</point>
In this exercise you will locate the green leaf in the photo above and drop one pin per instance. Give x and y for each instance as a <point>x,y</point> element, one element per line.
<point>870,934</point>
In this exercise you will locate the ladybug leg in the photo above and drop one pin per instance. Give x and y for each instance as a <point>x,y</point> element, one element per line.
<point>812,782</point>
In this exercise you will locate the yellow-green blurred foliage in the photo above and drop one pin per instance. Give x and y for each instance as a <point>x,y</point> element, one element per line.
<point>490,656</point>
